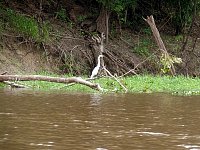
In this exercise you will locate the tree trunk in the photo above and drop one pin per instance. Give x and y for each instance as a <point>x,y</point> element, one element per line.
<point>103,22</point>
<point>159,41</point>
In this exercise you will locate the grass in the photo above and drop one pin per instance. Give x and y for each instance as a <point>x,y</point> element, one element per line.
<point>167,84</point>
<point>23,24</point>
<point>26,26</point>
<point>178,85</point>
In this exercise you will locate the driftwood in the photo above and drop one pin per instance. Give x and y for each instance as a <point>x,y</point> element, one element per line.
<point>4,73</point>
<point>14,85</point>
<point>50,79</point>
<point>159,41</point>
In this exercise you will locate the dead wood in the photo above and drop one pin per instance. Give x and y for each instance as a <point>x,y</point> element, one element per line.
<point>14,85</point>
<point>159,41</point>
<point>4,73</point>
<point>50,79</point>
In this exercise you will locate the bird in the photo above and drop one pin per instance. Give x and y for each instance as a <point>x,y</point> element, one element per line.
<point>96,69</point>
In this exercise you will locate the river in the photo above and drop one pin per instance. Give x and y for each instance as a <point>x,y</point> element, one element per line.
<point>35,120</point>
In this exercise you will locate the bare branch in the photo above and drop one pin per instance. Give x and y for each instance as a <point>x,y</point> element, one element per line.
<point>125,89</point>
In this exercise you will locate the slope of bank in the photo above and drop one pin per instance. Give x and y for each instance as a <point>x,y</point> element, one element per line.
<point>30,45</point>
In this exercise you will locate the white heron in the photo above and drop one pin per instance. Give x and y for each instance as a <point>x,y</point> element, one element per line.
<point>96,69</point>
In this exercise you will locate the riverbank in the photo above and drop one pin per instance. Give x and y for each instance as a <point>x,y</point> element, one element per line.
<point>48,43</point>
<point>178,85</point>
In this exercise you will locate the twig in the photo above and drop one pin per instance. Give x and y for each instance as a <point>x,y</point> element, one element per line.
<point>125,89</point>
<point>133,70</point>
<point>15,85</point>
<point>15,36</point>
<point>4,73</point>
<point>126,42</point>
<point>68,37</point>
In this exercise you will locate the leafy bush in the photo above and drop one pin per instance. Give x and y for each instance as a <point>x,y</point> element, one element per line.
<point>119,7</point>
<point>23,24</point>
<point>61,14</point>
<point>143,47</point>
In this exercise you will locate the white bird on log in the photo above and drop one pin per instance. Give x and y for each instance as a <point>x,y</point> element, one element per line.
<point>96,69</point>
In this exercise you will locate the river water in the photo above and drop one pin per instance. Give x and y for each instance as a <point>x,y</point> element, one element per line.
<point>33,120</point>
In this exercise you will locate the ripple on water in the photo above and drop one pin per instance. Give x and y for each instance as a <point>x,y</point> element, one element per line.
<point>3,113</point>
<point>153,133</point>
<point>191,147</point>
<point>48,144</point>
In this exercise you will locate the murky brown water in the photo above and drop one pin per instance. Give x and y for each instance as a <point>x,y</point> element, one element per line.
<point>31,120</point>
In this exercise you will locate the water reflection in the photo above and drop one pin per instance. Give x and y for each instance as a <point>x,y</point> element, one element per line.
<point>95,99</point>
<point>55,120</point>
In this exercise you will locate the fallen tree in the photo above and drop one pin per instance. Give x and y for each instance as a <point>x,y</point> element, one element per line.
<point>78,80</point>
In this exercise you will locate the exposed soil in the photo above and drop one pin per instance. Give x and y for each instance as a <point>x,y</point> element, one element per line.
<point>20,58</point>
<point>70,51</point>
<point>70,54</point>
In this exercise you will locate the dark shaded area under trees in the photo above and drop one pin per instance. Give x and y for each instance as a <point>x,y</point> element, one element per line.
<point>93,17</point>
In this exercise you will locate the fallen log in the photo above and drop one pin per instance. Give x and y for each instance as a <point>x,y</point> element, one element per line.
<point>78,80</point>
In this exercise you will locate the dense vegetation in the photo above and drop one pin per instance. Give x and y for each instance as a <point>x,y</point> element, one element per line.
<point>128,13</point>
<point>44,24</point>
<point>178,85</point>
<point>31,20</point>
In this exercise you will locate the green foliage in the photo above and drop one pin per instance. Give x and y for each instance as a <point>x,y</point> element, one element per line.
<point>147,31</point>
<point>180,12</point>
<point>61,14</point>
<point>143,47</point>
<point>2,85</point>
<point>81,18</point>
<point>167,84</point>
<point>25,25</point>
<point>168,61</point>
<point>179,38</point>
<point>1,27</point>
<point>44,35</point>
<point>135,84</point>
<point>119,7</point>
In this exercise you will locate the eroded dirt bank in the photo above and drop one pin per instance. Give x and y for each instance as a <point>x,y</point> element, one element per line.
<point>68,47</point>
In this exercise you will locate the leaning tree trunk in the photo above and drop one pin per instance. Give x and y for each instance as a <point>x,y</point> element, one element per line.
<point>103,21</point>
<point>159,41</point>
